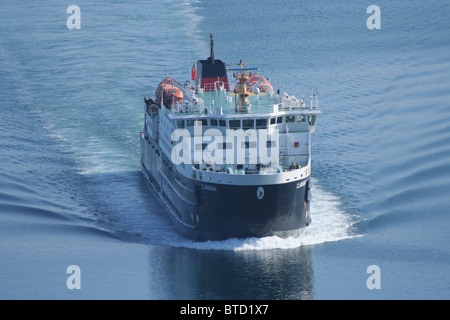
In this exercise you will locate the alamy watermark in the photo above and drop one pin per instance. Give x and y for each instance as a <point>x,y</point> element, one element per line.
<point>74,20</point>
<point>374,280</point>
<point>74,280</point>
<point>374,21</point>
<point>236,147</point>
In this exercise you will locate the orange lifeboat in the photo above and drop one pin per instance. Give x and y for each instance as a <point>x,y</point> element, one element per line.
<point>169,92</point>
<point>261,83</point>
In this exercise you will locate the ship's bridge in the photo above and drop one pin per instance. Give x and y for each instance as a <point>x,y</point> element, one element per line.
<point>291,119</point>
<point>217,109</point>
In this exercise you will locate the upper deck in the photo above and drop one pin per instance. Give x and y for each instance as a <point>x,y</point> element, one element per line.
<point>221,102</point>
<point>218,109</point>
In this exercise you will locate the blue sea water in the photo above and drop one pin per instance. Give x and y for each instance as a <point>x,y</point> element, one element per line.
<point>71,108</point>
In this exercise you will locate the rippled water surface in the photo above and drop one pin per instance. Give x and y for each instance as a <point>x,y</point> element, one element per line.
<point>71,190</point>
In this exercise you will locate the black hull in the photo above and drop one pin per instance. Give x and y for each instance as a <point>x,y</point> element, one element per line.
<point>237,212</point>
<point>205,211</point>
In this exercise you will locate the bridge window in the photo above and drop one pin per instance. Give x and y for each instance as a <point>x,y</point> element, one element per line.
<point>203,122</point>
<point>301,118</point>
<point>290,119</point>
<point>248,124</point>
<point>261,123</point>
<point>180,124</point>
<point>199,146</point>
<point>248,144</point>
<point>224,145</point>
<point>235,124</point>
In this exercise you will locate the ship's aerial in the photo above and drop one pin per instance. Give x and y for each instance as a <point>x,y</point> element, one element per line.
<point>229,157</point>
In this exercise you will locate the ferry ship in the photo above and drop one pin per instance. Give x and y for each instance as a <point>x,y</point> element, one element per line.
<point>229,158</point>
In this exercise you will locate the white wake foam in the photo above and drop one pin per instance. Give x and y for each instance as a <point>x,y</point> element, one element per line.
<point>329,223</point>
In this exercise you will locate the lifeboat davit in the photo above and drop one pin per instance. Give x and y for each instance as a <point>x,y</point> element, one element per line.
<point>261,83</point>
<point>169,92</point>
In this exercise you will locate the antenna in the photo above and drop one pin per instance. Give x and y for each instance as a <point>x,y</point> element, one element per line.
<point>211,55</point>
<point>189,57</point>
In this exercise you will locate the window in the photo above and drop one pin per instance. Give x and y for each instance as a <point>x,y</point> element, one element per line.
<point>235,124</point>
<point>248,124</point>
<point>201,146</point>
<point>301,118</point>
<point>261,123</point>
<point>202,122</point>
<point>214,122</point>
<point>222,123</point>
<point>290,119</point>
<point>272,120</point>
<point>224,145</point>
<point>280,120</point>
<point>190,123</point>
<point>248,144</point>
<point>180,124</point>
